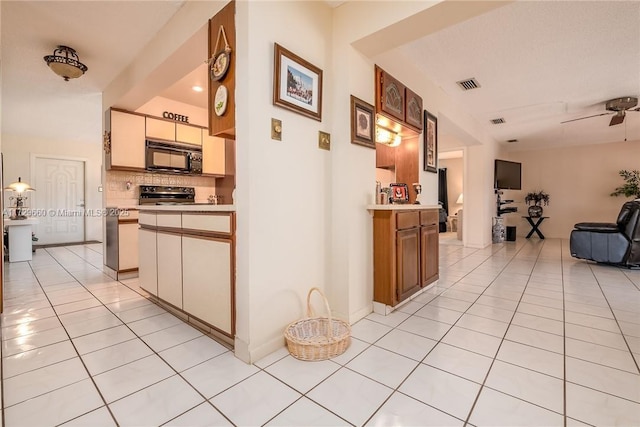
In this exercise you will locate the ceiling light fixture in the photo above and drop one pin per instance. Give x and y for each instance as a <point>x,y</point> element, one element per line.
<point>65,63</point>
<point>197,88</point>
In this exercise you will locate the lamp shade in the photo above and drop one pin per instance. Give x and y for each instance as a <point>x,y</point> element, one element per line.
<point>460,199</point>
<point>19,186</point>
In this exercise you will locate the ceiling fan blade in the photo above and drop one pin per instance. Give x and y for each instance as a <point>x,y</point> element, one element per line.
<point>588,117</point>
<point>617,119</point>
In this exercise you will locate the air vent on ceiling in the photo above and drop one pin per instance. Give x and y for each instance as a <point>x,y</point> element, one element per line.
<point>469,84</point>
<point>498,121</point>
<point>512,141</point>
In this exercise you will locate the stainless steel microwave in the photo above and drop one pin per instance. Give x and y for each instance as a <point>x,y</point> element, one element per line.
<point>173,158</point>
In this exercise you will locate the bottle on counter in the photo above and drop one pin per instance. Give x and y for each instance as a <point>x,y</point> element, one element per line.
<point>379,194</point>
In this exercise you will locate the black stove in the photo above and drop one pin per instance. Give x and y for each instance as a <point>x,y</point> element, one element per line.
<point>162,195</point>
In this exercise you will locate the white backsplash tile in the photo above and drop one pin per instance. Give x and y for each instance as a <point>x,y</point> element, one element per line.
<point>118,195</point>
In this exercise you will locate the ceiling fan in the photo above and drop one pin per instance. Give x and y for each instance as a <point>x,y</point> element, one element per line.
<point>618,107</point>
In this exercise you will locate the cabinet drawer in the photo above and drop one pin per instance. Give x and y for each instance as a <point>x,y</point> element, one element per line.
<point>207,222</point>
<point>169,220</point>
<point>147,218</point>
<point>429,217</point>
<point>407,219</point>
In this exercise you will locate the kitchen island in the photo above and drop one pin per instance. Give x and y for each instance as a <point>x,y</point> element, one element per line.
<point>187,261</point>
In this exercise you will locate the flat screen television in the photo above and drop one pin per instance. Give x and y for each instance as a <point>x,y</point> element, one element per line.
<point>507,175</point>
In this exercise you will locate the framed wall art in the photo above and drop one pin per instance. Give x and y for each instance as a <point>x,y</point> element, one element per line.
<point>362,123</point>
<point>399,193</point>
<point>297,84</point>
<point>430,135</point>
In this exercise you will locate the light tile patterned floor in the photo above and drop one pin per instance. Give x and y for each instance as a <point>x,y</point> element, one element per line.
<point>513,334</point>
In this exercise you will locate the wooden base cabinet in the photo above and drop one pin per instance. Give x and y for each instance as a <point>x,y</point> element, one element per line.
<point>405,253</point>
<point>207,280</point>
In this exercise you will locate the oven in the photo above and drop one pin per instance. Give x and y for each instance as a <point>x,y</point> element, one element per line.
<point>173,158</point>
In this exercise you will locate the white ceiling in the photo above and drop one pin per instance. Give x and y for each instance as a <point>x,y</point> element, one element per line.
<point>538,63</point>
<point>107,36</point>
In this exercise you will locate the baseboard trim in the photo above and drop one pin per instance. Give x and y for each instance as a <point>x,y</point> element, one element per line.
<point>55,245</point>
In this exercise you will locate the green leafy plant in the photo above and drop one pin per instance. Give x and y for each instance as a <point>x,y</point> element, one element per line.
<point>537,197</point>
<point>632,185</point>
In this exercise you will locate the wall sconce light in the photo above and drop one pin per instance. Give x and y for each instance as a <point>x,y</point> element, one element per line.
<point>65,63</point>
<point>387,136</point>
<point>460,199</point>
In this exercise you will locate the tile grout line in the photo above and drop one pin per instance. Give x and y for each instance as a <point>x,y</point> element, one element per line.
<point>145,343</point>
<point>483,385</point>
<point>72,343</point>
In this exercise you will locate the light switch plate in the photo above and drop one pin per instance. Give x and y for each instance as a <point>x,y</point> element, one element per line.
<point>324,141</point>
<point>276,129</point>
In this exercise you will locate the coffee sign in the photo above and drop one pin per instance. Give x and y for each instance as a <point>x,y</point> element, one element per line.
<point>176,117</point>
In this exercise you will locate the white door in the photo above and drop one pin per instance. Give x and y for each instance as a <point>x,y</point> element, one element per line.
<point>59,200</point>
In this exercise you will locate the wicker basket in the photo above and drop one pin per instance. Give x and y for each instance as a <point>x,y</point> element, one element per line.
<point>317,338</point>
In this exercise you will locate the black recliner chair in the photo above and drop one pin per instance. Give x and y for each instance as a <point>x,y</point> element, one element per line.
<point>610,243</point>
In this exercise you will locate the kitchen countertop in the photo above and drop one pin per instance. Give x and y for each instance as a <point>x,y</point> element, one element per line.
<point>400,207</point>
<point>205,207</point>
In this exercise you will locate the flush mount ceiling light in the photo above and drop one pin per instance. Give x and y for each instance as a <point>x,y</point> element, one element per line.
<point>65,63</point>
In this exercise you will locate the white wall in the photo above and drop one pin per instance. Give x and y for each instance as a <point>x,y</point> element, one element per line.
<point>281,185</point>
<point>578,179</point>
<point>17,151</point>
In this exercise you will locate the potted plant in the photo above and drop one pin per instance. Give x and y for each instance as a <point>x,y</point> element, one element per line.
<point>631,187</point>
<point>538,198</point>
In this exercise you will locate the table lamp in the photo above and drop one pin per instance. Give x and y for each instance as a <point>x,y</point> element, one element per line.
<point>19,188</point>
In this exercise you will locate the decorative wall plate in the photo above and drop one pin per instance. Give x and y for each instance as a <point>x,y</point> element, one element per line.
<point>220,61</point>
<point>220,100</point>
<point>220,65</point>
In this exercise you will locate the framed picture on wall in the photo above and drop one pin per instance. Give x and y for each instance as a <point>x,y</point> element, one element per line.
<point>362,123</point>
<point>297,84</point>
<point>430,135</point>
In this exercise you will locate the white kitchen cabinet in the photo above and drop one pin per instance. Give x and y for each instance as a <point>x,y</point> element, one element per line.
<point>147,260</point>
<point>169,269</point>
<point>213,154</point>
<point>188,134</point>
<point>161,129</point>
<point>207,280</point>
<point>127,140</point>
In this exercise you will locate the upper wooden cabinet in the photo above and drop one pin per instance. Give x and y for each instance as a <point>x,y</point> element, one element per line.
<point>124,140</point>
<point>390,95</point>
<point>161,129</point>
<point>397,102</point>
<point>213,154</point>
<point>188,134</point>
<point>413,110</point>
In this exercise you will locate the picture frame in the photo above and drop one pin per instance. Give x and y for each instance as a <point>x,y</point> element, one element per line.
<point>362,123</point>
<point>430,136</point>
<point>297,84</point>
<point>399,193</point>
